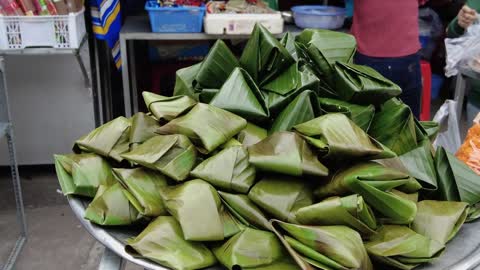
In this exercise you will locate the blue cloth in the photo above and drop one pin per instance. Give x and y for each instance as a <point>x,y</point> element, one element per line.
<point>349,8</point>
<point>404,71</point>
<point>106,21</point>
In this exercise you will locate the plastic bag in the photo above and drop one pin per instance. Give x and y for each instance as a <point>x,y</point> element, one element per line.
<point>469,152</point>
<point>449,134</point>
<point>462,50</point>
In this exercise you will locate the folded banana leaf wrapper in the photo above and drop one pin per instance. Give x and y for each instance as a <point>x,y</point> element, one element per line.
<point>289,157</point>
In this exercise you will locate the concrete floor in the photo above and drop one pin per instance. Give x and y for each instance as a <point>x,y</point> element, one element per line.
<point>56,239</point>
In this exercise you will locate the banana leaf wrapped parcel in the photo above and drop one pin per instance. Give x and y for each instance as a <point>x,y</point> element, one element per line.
<point>361,115</point>
<point>172,155</point>
<point>109,140</point>
<point>245,210</point>
<point>112,207</point>
<point>167,108</point>
<point>251,135</point>
<point>163,242</point>
<point>82,174</point>
<point>143,128</point>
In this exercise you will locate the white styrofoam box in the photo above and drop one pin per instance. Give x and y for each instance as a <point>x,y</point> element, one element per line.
<point>57,31</point>
<point>241,24</point>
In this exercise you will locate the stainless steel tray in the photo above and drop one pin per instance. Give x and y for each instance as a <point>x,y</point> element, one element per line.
<point>462,253</point>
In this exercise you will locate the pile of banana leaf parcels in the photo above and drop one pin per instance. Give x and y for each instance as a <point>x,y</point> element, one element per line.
<point>290,157</point>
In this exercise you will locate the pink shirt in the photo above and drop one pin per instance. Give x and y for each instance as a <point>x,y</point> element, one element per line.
<point>386,28</point>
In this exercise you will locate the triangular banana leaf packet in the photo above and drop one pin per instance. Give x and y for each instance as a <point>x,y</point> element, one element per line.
<point>432,128</point>
<point>337,137</point>
<point>253,249</point>
<point>326,247</point>
<point>245,210</point>
<point>302,109</point>
<point>217,66</point>
<point>288,41</point>
<point>228,170</point>
<point>264,57</point>
<point>167,108</point>
<point>108,140</point>
<point>286,153</point>
<point>231,225</point>
<point>363,85</point>
<point>325,47</point>
<point>277,102</point>
<point>409,196</point>
<point>359,114</point>
<point>402,248</point>
<point>111,207</point>
<point>285,82</point>
<point>172,155</point>
<point>456,181</point>
<point>281,196</point>
<point>395,126</point>
<point>351,211</point>
<point>374,182</point>
<point>184,81</point>
<point>143,128</point>
<point>163,242</point>
<point>82,174</point>
<point>251,135</point>
<point>206,126</point>
<point>206,95</point>
<point>142,188</point>
<point>240,95</point>
<point>440,220</point>
<point>196,205</point>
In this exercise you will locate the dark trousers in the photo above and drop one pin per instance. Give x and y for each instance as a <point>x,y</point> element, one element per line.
<point>404,71</point>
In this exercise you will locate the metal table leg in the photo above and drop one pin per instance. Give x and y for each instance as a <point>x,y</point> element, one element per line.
<point>125,77</point>
<point>111,261</point>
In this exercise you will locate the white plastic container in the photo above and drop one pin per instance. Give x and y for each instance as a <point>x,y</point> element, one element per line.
<point>58,31</point>
<point>241,24</point>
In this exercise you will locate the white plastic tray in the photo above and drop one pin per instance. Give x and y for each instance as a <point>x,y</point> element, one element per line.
<point>241,24</point>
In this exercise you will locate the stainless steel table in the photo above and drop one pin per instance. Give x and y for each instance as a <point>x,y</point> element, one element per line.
<point>138,28</point>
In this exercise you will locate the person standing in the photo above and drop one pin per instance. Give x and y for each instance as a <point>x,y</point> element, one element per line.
<point>387,36</point>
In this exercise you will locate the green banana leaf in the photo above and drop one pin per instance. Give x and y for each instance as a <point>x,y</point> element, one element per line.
<point>432,128</point>
<point>337,137</point>
<point>281,196</point>
<point>401,247</point>
<point>109,140</point>
<point>163,242</point>
<point>264,57</point>
<point>409,196</point>
<point>473,213</point>
<point>111,207</point>
<point>288,41</point>
<point>251,135</point>
<point>184,81</point>
<point>232,142</point>
<point>82,174</point>
<point>172,155</point>
<point>302,109</point>
<point>285,82</point>
<point>197,207</point>
<point>206,126</point>
<point>143,128</point>
<point>363,85</point>
<point>253,249</point>
<point>373,182</point>
<point>236,173</point>
<point>167,108</point>
<point>206,95</point>
<point>245,210</point>
<point>351,211</point>
<point>231,225</point>
<point>241,96</point>
<point>440,220</point>
<point>328,247</point>
<point>456,181</point>
<point>217,66</point>
<point>142,188</point>
<point>360,115</point>
<point>286,153</point>
<point>326,47</point>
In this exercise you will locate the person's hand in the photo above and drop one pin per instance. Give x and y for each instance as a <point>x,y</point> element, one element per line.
<point>466,17</point>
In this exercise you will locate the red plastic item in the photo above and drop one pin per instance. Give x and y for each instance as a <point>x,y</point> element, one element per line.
<point>426,90</point>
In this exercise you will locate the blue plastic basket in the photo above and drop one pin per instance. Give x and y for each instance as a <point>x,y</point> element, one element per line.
<point>175,19</point>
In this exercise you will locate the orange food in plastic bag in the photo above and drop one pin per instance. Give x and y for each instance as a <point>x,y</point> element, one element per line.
<point>469,152</point>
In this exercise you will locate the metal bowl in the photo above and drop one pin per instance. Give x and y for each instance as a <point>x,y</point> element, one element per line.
<point>462,253</point>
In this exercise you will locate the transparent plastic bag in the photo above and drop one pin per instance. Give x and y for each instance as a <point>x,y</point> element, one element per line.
<point>463,50</point>
<point>449,135</point>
